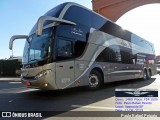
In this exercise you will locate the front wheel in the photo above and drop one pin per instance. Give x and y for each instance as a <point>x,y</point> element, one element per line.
<point>95,80</point>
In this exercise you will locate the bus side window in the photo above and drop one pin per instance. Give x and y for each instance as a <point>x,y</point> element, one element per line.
<point>79,48</point>
<point>64,50</point>
<point>109,55</point>
<point>114,55</point>
<point>127,57</point>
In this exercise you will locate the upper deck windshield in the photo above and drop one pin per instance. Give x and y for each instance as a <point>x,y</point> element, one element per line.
<point>39,47</point>
<point>55,12</point>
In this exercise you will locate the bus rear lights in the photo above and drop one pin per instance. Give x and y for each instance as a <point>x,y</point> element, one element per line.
<point>28,83</point>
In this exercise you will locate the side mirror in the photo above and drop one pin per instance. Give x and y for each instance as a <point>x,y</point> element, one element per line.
<point>16,37</point>
<point>42,19</point>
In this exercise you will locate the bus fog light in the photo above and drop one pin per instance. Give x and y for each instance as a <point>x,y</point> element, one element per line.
<point>45,84</point>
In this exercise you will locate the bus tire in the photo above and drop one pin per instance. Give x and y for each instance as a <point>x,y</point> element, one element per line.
<point>145,75</point>
<point>149,74</point>
<point>95,80</point>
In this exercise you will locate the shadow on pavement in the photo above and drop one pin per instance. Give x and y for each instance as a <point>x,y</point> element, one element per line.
<point>62,100</point>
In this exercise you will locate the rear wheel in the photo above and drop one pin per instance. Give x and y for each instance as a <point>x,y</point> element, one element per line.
<point>145,76</point>
<point>95,80</point>
<point>149,74</point>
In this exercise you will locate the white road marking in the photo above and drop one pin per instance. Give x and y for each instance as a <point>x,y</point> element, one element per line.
<point>12,89</point>
<point>15,82</point>
<point>27,90</point>
<point>17,90</point>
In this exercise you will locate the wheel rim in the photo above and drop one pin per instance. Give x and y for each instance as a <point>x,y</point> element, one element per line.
<point>93,80</point>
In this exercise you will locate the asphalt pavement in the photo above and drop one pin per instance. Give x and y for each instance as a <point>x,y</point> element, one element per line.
<point>16,97</point>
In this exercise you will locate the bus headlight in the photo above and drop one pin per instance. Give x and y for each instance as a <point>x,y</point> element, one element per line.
<point>41,74</point>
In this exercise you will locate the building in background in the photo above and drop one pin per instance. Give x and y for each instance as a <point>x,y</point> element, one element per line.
<point>10,67</point>
<point>158,58</point>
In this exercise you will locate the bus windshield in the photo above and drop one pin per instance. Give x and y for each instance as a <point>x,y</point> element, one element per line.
<point>39,47</point>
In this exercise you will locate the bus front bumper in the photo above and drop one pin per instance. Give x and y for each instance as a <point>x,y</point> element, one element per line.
<point>44,80</point>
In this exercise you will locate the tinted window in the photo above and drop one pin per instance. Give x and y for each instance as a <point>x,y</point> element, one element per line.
<point>114,55</point>
<point>117,54</point>
<point>55,12</point>
<point>109,55</point>
<point>78,15</point>
<point>84,17</point>
<point>79,48</point>
<point>116,30</point>
<point>64,49</point>
<point>74,32</point>
<point>146,46</point>
<point>126,56</point>
<point>97,21</point>
<point>39,48</point>
<point>102,57</point>
<point>141,59</point>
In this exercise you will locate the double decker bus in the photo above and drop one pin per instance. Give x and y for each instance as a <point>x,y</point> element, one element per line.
<point>72,46</point>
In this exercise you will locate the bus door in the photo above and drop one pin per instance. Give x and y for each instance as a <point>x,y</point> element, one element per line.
<point>64,62</point>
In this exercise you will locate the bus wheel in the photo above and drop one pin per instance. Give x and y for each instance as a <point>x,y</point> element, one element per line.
<point>145,76</point>
<point>95,80</point>
<point>149,74</point>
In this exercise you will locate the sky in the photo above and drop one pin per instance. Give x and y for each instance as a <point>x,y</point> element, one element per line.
<point>19,16</point>
<point>145,22</point>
